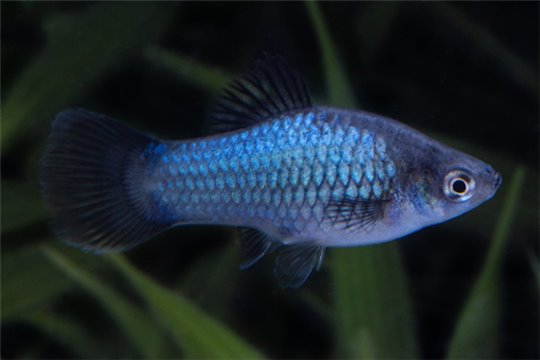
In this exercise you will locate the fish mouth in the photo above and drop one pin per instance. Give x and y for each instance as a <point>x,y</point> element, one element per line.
<point>494,176</point>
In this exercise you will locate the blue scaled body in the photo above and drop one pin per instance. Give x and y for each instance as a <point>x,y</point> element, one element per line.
<point>292,176</point>
<point>278,176</point>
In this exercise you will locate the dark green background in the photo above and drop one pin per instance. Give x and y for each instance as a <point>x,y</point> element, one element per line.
<point>466,73</point>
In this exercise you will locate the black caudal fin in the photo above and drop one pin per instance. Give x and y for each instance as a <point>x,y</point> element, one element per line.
<point>91,175</point>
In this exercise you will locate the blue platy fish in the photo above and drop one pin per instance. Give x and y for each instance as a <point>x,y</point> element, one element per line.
<point>294,177</point>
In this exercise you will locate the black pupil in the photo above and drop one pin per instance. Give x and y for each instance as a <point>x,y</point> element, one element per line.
<point>459,186</point>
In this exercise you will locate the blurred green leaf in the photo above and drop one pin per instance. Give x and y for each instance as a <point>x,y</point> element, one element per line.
<point>198,334</point>
<point>206,77</point>
<point>21,205</point>
<point>29,282</point>
<point>65,332</point>
<point>76,57</point>
<point>339,88</point>
<point>372,303</point>
<point>144,334</point>
<point>322,308</point>
<point>215,292</point>
<point>365,345</point>
<point>477,329</point>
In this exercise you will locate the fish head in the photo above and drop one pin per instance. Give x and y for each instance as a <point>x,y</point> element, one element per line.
<point>444,183</point>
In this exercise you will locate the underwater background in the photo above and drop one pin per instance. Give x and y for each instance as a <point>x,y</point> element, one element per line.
<point>465,73</point>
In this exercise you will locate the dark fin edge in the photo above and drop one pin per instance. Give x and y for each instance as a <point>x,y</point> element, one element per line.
<point>354,214</point>
<point>91,180</point>
<point>296,262</point>
<point>270,89</point>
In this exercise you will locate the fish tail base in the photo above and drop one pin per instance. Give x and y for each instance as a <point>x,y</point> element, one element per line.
<point>91,177</point>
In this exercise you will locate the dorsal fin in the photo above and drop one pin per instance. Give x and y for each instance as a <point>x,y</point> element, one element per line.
<point>270,89</point>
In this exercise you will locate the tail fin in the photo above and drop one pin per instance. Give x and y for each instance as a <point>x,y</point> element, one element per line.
<point>91,178</point>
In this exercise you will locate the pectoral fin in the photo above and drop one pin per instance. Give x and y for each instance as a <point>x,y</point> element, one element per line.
<point>294,263</point>
<point>355,214</point>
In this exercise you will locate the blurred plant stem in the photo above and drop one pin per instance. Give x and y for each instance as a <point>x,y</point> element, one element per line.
<point>209,78</point>
<point>196,333</point>
<point>339,89</point>
<point>66,332</point>
<point>477,330</point>
<point>134,323</point>
<point>372,305</point>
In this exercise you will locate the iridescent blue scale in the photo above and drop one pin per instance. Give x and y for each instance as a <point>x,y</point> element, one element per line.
<point>288,169</point>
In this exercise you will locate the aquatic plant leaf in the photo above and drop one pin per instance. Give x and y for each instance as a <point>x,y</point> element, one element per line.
<point>21,205</point>
<point>29,282</point>
<point>75,59</point>
<point>215,293</point>
<point>318,305</point>
<point>339,88</point>
<point>372,303</point>
<point>145,336</point>
<point>367,281</point>
<point>477,328</point>
<point>197,333</point>
<point>206,77</point>
<point>66,332</point>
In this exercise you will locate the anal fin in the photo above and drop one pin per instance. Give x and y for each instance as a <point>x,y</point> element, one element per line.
<point>296,262</point>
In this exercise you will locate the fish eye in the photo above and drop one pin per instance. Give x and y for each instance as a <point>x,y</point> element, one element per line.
<point>458,186</point>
